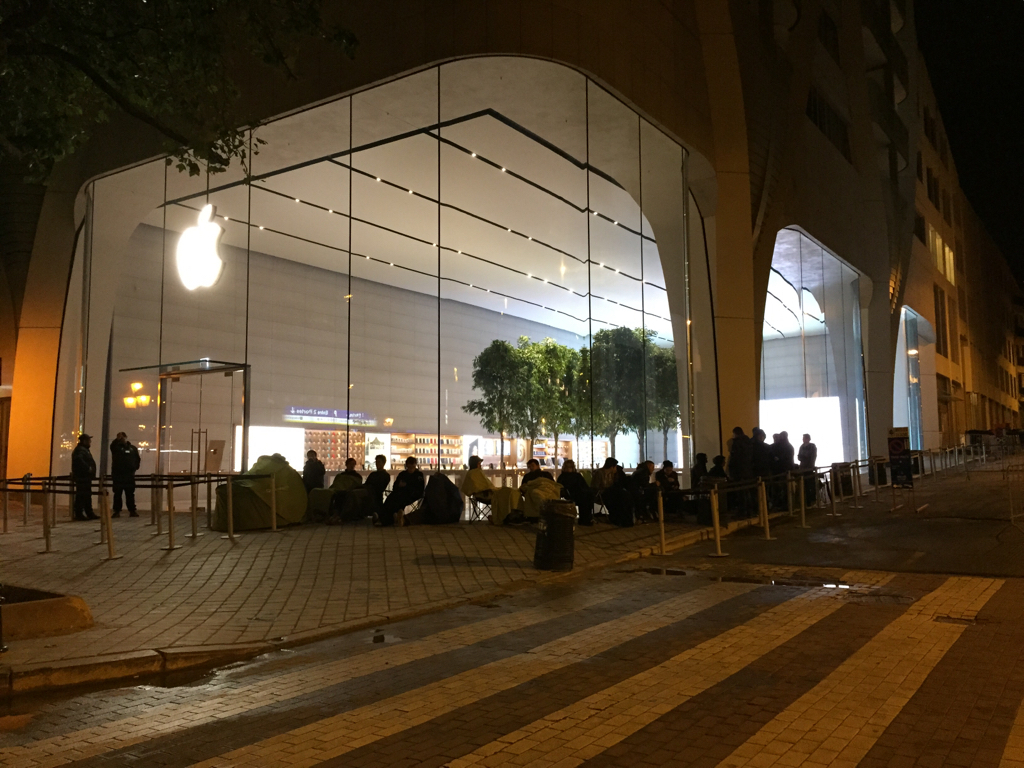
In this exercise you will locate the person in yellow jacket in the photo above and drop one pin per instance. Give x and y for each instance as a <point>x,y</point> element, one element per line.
<point>477,485</point>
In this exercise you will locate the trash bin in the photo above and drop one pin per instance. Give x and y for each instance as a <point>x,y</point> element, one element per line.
<point>555,543</point>
<point>879,470</point>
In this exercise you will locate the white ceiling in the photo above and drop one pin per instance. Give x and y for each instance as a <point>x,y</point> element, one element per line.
<point>537,271</point>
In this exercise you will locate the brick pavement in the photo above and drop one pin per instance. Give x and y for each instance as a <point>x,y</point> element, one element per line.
<point>266,586</point>
<point>625,668</point>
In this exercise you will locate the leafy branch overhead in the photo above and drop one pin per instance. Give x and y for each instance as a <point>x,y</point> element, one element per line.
<point>67,66</point>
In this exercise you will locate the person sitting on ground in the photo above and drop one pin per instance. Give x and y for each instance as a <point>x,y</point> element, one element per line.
<point>408,489</point>
<point>350,469</point>
<point>442,504</point>
<point>610,483</point>
<point>313,472</point>
<point>378,481</point>
<point>645,492</point>
<point>577,490</point>
<point>668,482</point>
<point>476,484</point>
<point>699,471</point>
<point>717,472</point>
<point>534,471</point>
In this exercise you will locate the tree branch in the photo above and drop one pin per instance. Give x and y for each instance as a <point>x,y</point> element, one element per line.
<point>50,51</point>
<point>27,16</point>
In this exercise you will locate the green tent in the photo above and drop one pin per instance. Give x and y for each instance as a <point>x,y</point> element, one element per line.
<point>250,496</point>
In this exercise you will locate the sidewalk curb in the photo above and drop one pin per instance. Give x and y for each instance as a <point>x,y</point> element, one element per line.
<point>49,676</point>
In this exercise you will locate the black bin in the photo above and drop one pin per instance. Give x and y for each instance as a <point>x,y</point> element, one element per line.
<point>879,470</point>
<point>556,545</point>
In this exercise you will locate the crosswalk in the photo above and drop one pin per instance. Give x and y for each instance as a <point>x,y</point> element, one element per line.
<point>626,671</point>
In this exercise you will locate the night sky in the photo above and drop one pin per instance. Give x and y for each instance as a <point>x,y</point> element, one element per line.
<point>975,55</point>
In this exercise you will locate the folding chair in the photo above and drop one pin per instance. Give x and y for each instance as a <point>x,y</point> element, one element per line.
<point>479,508</point>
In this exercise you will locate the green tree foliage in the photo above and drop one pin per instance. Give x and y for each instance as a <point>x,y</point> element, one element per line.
<point>68,65</point>
<point>618,360</point>
<point>544,388</point>
<point>581,415</point>
<point>551,366</point>
<point>662,391</point>
<point>501,377</point>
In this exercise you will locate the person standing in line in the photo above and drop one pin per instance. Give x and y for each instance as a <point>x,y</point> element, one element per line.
<point>124,463</point>
<point>313,472</point>
<point>808,454</point>
<point>698,471</point>
<point>83,470</point>
<point>741,460</point>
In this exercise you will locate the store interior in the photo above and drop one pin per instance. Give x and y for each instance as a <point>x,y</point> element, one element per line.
<point>378,246</point>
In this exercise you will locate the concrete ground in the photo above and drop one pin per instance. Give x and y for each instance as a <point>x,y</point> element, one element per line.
<point>281,587</point>
<point>874,638</point>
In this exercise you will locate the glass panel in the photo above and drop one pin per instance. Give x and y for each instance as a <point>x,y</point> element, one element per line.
<point>616,267</point>
<point>514,310</point>
<point>664,301</point>
<point>393,393</point>
<point>812,378</point>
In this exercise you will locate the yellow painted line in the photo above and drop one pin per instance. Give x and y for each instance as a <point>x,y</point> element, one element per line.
<point>838,721</point>
<point>348,731</point>
<point>587,728</point>
<point>168,718</point>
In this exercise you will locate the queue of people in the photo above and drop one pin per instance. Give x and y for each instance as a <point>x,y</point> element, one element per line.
<point>412,500</point>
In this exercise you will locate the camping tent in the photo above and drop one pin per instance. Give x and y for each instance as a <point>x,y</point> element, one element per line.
<point>250,496</point>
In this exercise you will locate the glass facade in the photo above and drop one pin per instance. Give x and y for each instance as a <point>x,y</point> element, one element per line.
<point>812,370</point>
<point>485,257</point>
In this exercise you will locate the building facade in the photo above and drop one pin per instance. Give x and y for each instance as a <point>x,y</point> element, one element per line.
<point>708,206</point>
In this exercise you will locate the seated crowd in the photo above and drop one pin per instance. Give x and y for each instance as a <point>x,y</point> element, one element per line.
<point>412,500</point>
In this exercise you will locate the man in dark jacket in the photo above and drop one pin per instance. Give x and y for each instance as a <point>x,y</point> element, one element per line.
<point>741,460</point>
<point>83,470</point>
<point>762,455</point>
<point>578,491</point>
<point>124,462</point>
<point>378,481</point>
<point>534,471</point>
<point>313,472</point>
<point>408,488</point>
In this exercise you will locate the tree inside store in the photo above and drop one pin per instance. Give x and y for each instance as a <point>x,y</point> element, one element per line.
<point>622,383</point>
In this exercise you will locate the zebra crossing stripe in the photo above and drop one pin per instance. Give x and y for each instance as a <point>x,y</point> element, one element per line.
<point>348,731</point>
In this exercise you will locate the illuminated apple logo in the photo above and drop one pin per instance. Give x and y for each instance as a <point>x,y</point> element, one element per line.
<point>199,266</point>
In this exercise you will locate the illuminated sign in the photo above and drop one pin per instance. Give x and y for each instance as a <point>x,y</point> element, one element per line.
<point>199,266</point>
<point>296,415</point>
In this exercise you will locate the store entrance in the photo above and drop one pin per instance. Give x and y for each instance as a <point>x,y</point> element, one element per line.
<point>203,417</point>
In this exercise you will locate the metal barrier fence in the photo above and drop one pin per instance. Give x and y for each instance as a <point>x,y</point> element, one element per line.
<point>161,488</point>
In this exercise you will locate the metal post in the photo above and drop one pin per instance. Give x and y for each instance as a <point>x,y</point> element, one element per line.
<point>803,502</point>
<point>101,491</point>
<point>273,504</point>
<point>789,493</point>
<point>154,501</point>
<point>7,504</point>
<point>28,498</point>
<point>716,524</point>
<point>46,523</point>
<point>209,500</point>
<point>71,498</point>
<point>855,485</point>
<point>231,512</point>
<point>878,478</point>
<point>193,487</point>
<point>158,506</point>
<point>762,497</point>
<point>52,500</point>
<point>107,525</point>
<point>661,522</point>
<point>832,491</point>
<point>170,518</point>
